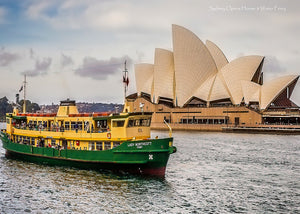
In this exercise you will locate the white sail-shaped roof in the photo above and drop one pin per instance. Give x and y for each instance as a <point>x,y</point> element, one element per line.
<point>256,96</point>
<point>163,74</point>
<point>144,77</point>
<point>272,89</point>
<point>217,54</point>
<point>204,90</point>
<point>218,90</point>
<point>242,68</point>
<point>194,70</point>
<point>193,63</point>
<point>250,91</point>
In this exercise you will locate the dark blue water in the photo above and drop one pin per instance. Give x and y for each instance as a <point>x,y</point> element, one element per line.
<point>210,173</point>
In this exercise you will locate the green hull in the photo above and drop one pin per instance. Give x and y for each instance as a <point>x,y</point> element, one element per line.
<point>147,157</point>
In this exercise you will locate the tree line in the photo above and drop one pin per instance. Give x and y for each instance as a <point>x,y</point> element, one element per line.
<point>7,107</point>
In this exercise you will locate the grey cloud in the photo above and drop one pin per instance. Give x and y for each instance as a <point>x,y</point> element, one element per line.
<point>41,67</point>
<point>101,69</point>
<point>7,58</point>
<point>140,55</point>
<point>272,65</point>
<point>31,53</point>
<point>2,15</point>
<point>66,60</point>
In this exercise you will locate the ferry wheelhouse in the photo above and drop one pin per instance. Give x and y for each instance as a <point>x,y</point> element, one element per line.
<point>116,141</point>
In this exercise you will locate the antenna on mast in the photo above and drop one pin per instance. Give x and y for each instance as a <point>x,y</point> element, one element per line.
<point>125,80</point>
<point>24,93</point>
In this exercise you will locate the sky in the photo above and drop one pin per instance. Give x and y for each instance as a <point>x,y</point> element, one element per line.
<point>76,48</point>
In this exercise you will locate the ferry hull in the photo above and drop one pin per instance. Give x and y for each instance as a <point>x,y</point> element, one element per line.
<point>150,159</point>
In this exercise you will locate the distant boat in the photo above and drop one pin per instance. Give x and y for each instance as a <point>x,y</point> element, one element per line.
<point>117,141</point>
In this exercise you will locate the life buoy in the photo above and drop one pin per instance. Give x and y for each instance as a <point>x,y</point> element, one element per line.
<point>108,135</point>
<point>77,143</point>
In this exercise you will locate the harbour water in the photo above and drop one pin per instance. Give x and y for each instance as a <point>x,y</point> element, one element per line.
<point>210,173</point>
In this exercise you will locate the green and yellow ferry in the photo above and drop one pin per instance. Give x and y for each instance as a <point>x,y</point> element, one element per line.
<point>116,141</point>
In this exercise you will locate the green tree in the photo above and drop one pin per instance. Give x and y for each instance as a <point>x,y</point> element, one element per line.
<point>4,107</point>
<point>30,107</point>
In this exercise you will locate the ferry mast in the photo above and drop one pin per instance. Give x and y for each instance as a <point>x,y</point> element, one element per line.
<point>24,94</point>
<point>125,80</point>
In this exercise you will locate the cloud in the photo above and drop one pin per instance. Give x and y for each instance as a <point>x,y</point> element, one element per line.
<point>272,65</point>
<point>140,55</point>
<point>7,58</point>
<point>2,15</point>
<point>66,60</point>
<point>94,14</point>
<point>41,67</point>
<point>101,69</point>
<point>31,53</point>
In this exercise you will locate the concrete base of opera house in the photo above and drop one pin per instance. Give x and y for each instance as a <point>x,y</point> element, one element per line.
<point>220,119</point>
<point>269,129</point>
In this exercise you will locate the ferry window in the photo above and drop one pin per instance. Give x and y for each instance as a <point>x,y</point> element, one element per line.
<point>146,122</point>
<point>73,125</point>
<point>86,125</point>
<point>101,123</point>
<point>116,144</point>
<point>53,142</point>
<point>130,123</point>
<point>26,140</point>
<point>98,145</point>
<point>118,123</point>
<point>67,125</point>
<point>79,125</point>
<point>91,145</point>
<point>107,145</point>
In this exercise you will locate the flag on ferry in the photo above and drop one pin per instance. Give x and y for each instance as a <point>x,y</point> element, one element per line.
<point>21,88</point>
<point>125,76</point>
<point>125,80</point>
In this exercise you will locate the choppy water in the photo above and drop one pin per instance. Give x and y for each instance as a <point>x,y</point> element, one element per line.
<point>210,173</point>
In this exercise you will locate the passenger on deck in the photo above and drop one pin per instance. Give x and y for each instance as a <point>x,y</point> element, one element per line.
<point>76,127</point>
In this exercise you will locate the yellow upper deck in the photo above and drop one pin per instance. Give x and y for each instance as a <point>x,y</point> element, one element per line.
<point>69,124</point>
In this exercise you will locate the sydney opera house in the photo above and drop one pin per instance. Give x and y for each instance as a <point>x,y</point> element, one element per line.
<point>196,87</point>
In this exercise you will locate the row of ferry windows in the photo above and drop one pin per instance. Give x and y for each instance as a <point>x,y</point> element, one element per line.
<point>139,122</point>
<point>99,124</point>
<point>66,124</point>
<point>131,122</point>
<point>94,145</point>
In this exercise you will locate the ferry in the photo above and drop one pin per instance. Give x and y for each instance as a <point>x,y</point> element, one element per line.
<point>101,141</point>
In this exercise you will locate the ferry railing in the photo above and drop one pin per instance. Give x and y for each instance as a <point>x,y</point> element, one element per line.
<point>60,129</point>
